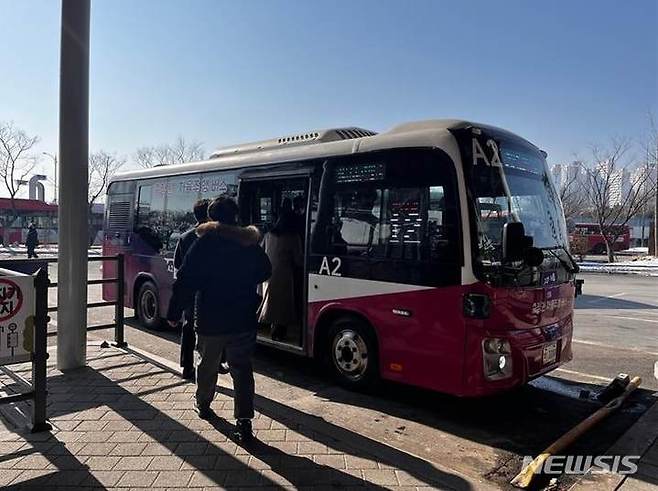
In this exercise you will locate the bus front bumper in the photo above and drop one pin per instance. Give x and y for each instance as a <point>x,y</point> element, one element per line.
<point>503,360</point>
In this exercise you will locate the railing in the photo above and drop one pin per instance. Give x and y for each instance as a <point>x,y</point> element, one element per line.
<point>118,324</point>
<point>38,269</point>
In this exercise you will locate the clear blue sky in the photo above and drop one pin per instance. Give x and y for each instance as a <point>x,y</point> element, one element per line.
<point>564,74</point>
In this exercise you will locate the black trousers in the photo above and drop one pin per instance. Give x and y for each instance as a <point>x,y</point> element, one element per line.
<point>187,342</point>
<point>30,252</point>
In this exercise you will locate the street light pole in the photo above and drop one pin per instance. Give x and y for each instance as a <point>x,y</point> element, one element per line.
<point>54,157</point>
<point>74,168</point>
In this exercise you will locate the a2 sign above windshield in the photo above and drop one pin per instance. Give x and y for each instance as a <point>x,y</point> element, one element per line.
<point>480,156</point>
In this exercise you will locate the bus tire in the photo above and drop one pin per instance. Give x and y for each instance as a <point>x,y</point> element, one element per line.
<point>352,353</point>
<point>148,306</point>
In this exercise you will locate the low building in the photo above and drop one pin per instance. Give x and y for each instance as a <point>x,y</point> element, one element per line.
<point>16,217</point>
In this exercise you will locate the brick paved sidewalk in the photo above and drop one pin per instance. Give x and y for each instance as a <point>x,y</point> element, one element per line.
<point>126,421</point>
<point>647,474</point>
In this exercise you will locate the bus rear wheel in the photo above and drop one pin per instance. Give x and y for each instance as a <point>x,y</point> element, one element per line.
<point>352,353</point>
<point>148,306</point>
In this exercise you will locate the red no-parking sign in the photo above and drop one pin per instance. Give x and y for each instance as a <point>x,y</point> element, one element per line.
<point>16,317</point>
<point>11,299</point>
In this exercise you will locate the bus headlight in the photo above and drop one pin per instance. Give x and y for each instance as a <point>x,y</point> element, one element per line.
<point>497,356</point>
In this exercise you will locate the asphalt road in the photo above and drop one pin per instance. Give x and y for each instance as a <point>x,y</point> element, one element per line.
<point>615,331</point>
<point>616,328</point>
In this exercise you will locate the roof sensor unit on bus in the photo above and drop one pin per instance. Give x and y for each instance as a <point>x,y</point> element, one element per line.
<point>319,136</point>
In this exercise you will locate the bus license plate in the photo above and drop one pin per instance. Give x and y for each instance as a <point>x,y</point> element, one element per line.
<point>549,354</point>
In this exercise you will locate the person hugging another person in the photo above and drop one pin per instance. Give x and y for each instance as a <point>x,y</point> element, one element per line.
<point>283,246</point>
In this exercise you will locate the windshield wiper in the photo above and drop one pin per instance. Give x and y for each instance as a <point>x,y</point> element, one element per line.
<point>573,267</point>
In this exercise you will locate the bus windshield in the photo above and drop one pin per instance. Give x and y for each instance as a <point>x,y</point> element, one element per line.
<point>515,187</point>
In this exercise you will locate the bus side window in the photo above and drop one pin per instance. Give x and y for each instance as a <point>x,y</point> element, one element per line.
<point>150,222</point>
<point>403,224</point>
<point>437,229</point>
<point>182,193</point>
<point>355,223</point>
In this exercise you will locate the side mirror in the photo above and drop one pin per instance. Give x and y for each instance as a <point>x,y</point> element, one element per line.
<point>514,242</point>
<point>517,246</point>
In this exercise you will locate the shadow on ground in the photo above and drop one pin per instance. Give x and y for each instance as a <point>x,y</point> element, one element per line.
<point>586,301</point>
<point>87,394</point>
<point>523,421</point>
<point>517,423</point>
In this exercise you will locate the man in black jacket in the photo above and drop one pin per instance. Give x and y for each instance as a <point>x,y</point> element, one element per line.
<point>187,336</point>
<point>219,277</point>
<point>31,241</point>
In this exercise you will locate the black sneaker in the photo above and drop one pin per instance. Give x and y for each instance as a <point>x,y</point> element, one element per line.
<point>243,433</point>
<point>204,412</point>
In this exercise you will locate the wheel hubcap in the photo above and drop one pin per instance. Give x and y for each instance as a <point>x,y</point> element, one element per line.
<point>149,305</point>
<point>350,354</point>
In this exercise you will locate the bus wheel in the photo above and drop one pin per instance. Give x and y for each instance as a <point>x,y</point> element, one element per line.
<point>352,353</point>
<point>148,306</point>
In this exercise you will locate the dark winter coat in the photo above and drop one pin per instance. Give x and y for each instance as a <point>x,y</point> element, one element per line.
<point>185,242</point>
<point>219,276</point>
<point>32,239</point>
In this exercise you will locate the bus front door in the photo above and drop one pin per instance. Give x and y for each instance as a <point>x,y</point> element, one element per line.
<point>262,201</point>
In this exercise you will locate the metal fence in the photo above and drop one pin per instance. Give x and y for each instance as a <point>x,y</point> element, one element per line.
<point>38,268</point>
<point>29,266</point>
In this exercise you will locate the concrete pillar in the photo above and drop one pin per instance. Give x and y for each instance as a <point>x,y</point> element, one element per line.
<point>73,172</point>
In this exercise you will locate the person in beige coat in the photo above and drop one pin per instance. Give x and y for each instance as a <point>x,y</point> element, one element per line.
<point>283,246</point>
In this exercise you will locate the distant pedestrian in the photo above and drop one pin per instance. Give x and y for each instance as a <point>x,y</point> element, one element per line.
<point>32,241</point>
<point>188,338</point>
<point>219,276</point>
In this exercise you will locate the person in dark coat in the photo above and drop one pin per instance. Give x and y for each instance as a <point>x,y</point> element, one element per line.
<point>219,276</point>
<point>187,337</point>
<point>32,241</point>
<point>299,211</point>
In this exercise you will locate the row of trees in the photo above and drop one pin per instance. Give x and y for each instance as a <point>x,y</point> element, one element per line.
<point>18,160</point>
<point>597,188</point>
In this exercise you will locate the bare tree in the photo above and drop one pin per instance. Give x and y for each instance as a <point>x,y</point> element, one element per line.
<point>612,205</point>
<point>574,200</point>
<point>178,152</point>
<point>102,166</point>
<point>16,159</point>
<point>652,161</point>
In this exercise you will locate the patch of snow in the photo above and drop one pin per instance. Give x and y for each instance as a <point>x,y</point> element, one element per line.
<point>636,250</point>
<point>646,266</point>
<point>49,250</point>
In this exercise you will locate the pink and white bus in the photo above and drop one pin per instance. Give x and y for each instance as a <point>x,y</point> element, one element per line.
<point>436,254</point>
